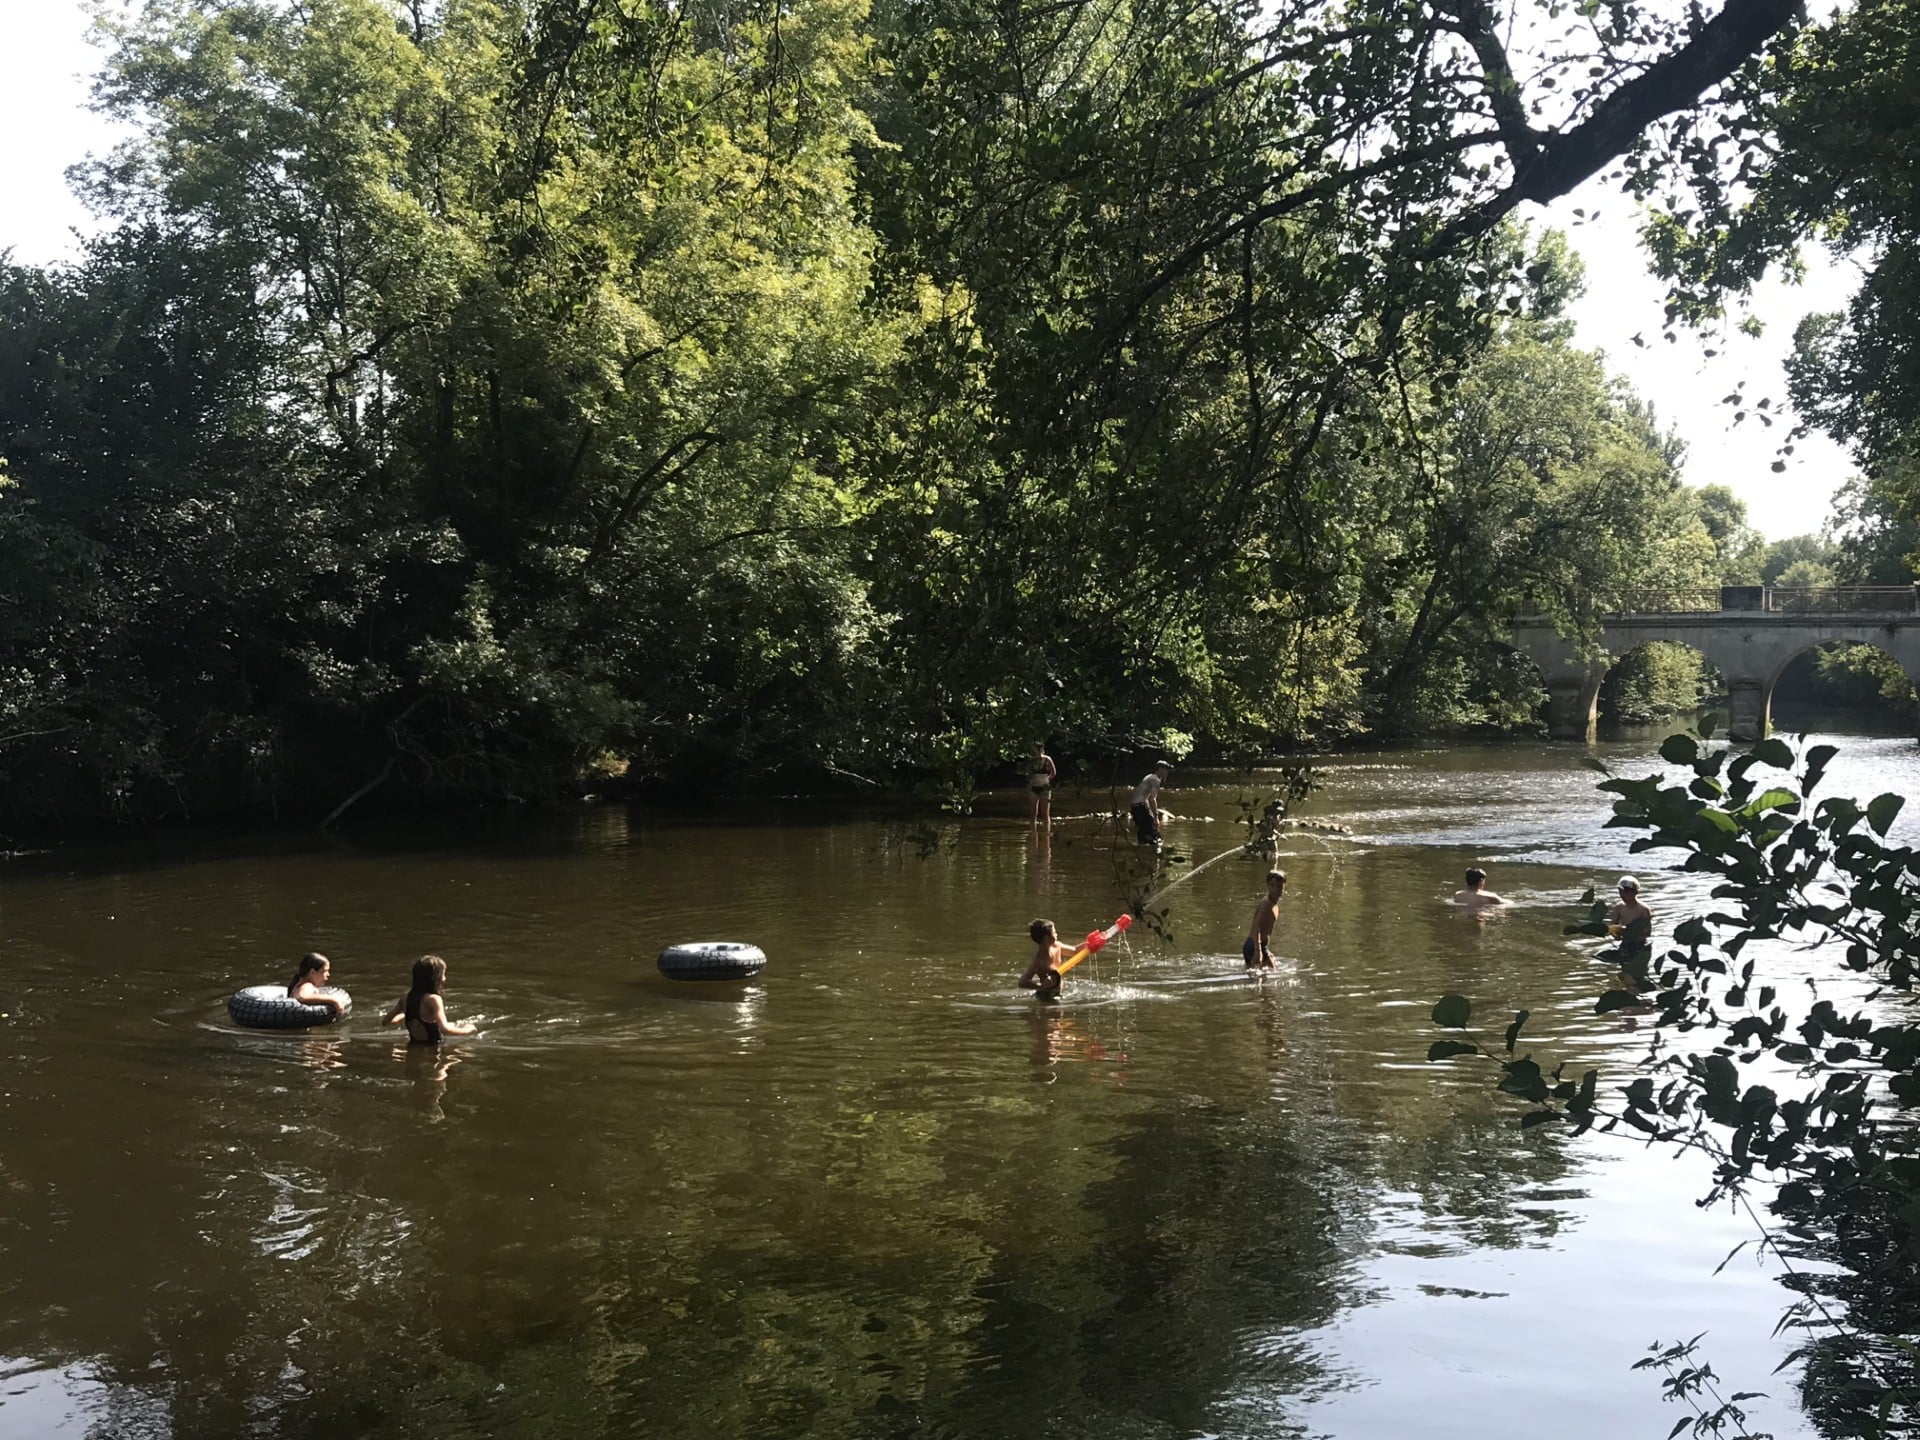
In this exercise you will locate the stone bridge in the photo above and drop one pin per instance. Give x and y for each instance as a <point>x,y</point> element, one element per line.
<point>1749,632</point>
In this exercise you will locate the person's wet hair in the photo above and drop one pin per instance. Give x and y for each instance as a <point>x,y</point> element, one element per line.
<point>1280,875</point>
<point>1476,876</point>
<point>1039,930</point>
<point>429,974</point>
<point>310,963</point>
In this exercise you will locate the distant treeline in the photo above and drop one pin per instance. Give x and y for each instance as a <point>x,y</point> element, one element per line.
<point>486,399</point>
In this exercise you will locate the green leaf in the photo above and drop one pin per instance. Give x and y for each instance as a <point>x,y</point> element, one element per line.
<point>1615,1000</point>
<point>1537,1117</point>
<point>1718,820</point>
<point>1881,811</point>
<point>1453,1012</point>
<point>1773,751</point>
<point>1447,1049</point>
<point>1513,1030</point>
<point>1679,750</point>
<point>1706,727</point>
<point>1523,1078</point>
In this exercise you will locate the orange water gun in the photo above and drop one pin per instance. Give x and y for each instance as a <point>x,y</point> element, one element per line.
<point>1095,942</point>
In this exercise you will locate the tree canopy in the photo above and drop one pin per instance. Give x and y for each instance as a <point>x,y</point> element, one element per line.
<point>468,398</point>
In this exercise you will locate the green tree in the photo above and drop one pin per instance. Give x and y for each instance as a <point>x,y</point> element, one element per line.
<point>1878,532</point>
<point>541,377</point>
<point>1820,153</point>
<point>1739,549</point>
<point>1538,491</point>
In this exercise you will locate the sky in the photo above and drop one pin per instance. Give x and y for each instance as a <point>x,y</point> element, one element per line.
<point>46,62</point>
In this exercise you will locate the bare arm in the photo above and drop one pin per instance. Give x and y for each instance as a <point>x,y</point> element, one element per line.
<point>308,993</point>
<point>433,1010</point>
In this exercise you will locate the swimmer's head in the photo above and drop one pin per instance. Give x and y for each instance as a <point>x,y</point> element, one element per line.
<point>1629,885</point>
<point>1042,932</point>
<point>1476,877</point>
<point>1276,880</point>
<point>429,974</point>
<point>1162,769</point>
<point>312,963</point>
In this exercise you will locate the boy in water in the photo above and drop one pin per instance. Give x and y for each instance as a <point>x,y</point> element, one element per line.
<point>1043,974</point>
<point>1634,921</point>
<point>1258,951</point>
<point>1146,804</point>
<point>1476,896</point>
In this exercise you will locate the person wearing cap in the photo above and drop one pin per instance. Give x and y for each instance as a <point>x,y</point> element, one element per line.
<point>1146,804</point>
<point>1631,920</point>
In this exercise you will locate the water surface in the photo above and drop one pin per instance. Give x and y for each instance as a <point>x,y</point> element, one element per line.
<point>876,1193</point>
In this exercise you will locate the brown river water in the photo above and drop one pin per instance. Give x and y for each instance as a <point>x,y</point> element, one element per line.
<point>877,1192</point>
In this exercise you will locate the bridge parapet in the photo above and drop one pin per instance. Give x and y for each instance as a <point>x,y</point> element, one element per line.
<point>1766,600</point>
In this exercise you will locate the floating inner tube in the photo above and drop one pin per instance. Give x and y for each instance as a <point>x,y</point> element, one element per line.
<point>712,960</point>
<point>269,1007</point>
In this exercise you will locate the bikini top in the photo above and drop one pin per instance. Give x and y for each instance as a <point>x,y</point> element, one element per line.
<point>428,1033</point>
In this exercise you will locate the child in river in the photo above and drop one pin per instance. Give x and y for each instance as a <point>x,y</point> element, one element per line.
<point>1146,803</point>
<point>1043,972</point>
<point>1629,918</point>
<point>422,1009</point>
<point>310,980</point>
<point>1476,896</point>
<point>1041,773</point>
<point>1258,951</point>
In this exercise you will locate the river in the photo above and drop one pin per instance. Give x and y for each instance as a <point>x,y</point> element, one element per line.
<point>876,1193</point>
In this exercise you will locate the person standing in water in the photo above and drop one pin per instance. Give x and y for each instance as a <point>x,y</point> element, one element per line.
<point>1041,773</point>
<point>1631,919</point>
<point>422,1009</point>
<point>1476,896</point>
<point>1146,804</point>
<point>309,982</point>
<point>1043,971</point>
<point>1258,951</point>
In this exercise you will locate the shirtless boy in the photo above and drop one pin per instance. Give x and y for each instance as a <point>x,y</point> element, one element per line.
<point>1043,973</point>
<point>1476,896</point>
<point>1634,921</point>
<point>1258,951</point>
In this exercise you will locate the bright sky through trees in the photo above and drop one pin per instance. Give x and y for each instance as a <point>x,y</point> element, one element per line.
<point>45,62</point>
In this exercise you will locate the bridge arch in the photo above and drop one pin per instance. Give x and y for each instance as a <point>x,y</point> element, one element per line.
<point>1883,699</point>
<point>1751,647</point>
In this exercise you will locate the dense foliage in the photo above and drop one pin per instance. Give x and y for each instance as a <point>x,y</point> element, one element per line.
<point>466,399</point>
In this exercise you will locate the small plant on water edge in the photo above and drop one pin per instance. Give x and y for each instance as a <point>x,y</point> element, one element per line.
<point>1800,1083</point>
<point>1691,1382</point>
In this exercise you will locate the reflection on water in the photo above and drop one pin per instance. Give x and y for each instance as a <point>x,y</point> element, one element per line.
<point>875,1192</point>
<point>427,1068</point>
